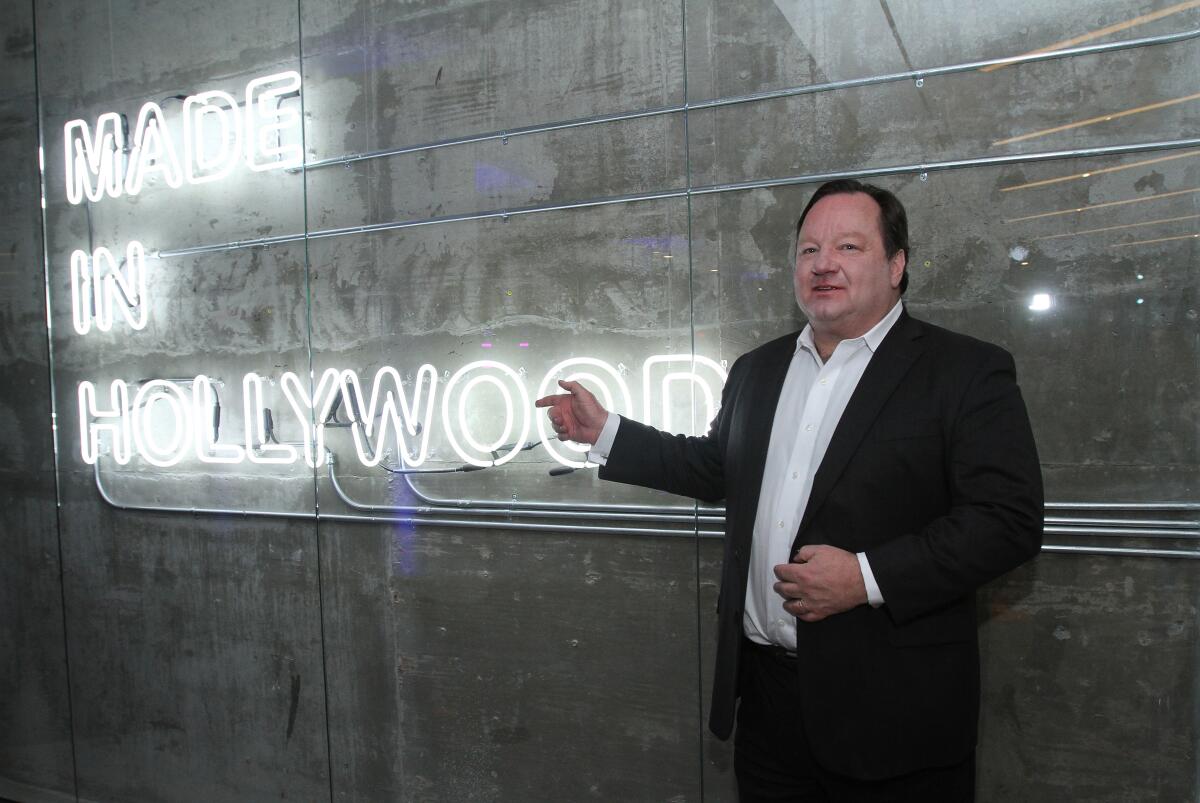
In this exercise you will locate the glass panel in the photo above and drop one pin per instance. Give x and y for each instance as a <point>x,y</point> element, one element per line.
<point>1139,95</point>
<point>35,742</point>
<point>1085,271</point>
<point>763,45</point>
<point>194,640</point>
<point>393,74</point>
<point>387,76</point>
<point>578,164</point>
<point>1108,244</point>
<point>606,288</point>
<point>518,630</point>
<point>503,627</point>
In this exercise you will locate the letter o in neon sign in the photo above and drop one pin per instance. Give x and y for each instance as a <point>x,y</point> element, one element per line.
<point>148,445</point>
<point>549,438</point>
<point>523,404</point>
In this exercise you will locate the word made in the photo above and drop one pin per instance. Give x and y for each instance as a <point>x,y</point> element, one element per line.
<point>216,133</point>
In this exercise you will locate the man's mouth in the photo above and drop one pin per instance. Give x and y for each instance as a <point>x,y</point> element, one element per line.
<point>822,288</point>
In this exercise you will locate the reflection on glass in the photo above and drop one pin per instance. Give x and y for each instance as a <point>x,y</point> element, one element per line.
<point>1040,302</point>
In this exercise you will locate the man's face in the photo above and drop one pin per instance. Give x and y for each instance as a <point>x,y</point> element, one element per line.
<point>844,281</point>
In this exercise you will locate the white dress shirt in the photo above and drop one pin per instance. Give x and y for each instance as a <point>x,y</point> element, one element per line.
<point>818,391</point>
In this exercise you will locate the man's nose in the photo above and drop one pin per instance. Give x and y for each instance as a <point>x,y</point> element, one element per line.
<point>822,263</point>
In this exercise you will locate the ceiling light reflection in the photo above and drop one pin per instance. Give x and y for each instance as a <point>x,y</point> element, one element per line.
<point>1099,171</point>
<point>1105,31</point>
<point>1149,107</point>
<point>1114,228</point>
<point>1103,205</point>
<point>1158,240</point>
<point>1041,302</point>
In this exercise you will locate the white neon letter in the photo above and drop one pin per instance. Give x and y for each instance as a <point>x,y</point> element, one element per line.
<point>318,407</point>
<point>708,381</point>
<point>153,151</point>
<point>411,421</point>
<point>82,296</point>
<point>597,383</point>
<point>98,284</point>
<point>254,411</point>
<point>178,422</point>
<point>267,123</point>
<point>91,159</point>
<point>208,156</point>
<point>116,422</point>
<point>507,415</point>
<point>204,423</point>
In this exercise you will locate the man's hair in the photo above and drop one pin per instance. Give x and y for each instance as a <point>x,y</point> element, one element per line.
<point>893,220</point>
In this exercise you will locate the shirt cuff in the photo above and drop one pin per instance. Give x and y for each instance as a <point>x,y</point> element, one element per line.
<point>598,454</point>
<point>874,595</point>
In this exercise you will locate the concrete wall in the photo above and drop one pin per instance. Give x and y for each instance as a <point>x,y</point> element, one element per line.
<point>243,631</point>
<point>35,743</point>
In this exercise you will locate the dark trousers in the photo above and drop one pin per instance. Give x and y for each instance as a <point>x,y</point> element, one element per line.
<point>773,761</point>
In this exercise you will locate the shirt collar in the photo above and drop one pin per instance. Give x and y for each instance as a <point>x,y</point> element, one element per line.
<point>872,338</point>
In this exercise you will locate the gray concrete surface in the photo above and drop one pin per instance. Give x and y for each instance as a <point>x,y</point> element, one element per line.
<point>35,740</point>
<point>239,657</point>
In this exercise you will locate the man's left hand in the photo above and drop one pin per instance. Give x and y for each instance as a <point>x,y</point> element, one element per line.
<point>820,581</point>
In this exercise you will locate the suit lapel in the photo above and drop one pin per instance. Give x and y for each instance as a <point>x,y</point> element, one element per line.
<point>887,368</point>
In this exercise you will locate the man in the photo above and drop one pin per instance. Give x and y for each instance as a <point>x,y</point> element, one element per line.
<point>897,474</point>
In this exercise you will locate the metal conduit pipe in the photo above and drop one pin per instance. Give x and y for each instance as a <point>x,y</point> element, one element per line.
<point>530,526</point>
<point>951,164</point>
<point>812,178</point>
<point>1096,522</point>
<point>1119,532</point>
<point>1139,506</point>
<point>1119,551</point>
<point>755,97</point>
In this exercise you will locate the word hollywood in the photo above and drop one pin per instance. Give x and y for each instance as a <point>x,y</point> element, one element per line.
<point>167,421</point>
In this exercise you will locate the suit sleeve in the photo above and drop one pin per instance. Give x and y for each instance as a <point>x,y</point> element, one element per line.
<point>994,522</point>
<point>679,464</point>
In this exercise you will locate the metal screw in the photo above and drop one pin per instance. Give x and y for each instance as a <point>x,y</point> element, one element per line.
<point>920,82</point>
<point>924,177</point>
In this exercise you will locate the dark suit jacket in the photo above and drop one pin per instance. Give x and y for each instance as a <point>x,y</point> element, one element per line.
<point>932,471</point>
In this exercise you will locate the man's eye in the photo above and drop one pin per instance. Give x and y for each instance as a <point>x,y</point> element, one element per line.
<point>808,250</point>
<point>849,247</point>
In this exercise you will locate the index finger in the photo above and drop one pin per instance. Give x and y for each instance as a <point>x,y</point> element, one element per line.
<point>788,572</point>
<point>550,401</point>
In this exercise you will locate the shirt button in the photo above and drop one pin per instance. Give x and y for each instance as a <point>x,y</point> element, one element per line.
<point>824,381</point>
<point>808,428</point>
<point>781,524</point>
<point>795,475</point>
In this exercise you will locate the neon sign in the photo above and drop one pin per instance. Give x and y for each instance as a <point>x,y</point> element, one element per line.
<point>484,409</point>
<point>216,136</point>
<point>167,423</point>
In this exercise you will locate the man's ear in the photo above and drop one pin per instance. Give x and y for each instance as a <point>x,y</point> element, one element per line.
<point>896,267</point>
